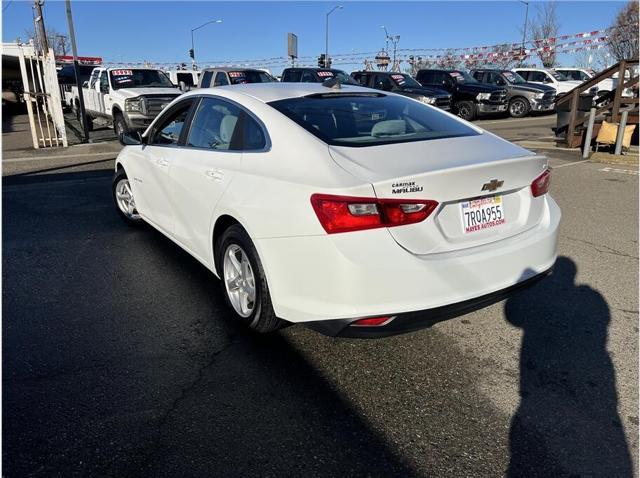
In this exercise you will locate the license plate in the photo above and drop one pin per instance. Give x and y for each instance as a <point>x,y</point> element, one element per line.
<point>481,214</point>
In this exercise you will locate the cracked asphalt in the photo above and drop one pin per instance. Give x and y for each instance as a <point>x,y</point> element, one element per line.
<point>119,358</point>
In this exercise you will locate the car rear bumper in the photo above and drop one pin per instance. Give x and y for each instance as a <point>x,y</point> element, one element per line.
<point>368,274</point>
<point>420,319</point>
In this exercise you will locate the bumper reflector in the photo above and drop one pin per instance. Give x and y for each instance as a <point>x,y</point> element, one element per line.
<point>372,321</point>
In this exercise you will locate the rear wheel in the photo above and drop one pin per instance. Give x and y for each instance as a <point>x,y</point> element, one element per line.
<point>466,110</point>
<point>519,107</point>
<point>244,283</point>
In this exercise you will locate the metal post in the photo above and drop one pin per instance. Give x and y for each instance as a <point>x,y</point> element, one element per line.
<point>327,64</point>
<point>193,52</point>
<point>76,67</point>
<point>524,29</point>
<point>620,135</point>
<point>587,138</point>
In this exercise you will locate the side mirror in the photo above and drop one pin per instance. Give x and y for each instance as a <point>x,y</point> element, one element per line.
<point>184,87</point>
<point>85,84</point>
<point>132,138</point>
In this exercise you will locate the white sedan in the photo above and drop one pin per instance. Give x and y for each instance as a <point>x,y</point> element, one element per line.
<point>353,211</point>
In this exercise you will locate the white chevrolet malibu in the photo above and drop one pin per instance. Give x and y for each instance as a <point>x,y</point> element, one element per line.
<point>356,212</point>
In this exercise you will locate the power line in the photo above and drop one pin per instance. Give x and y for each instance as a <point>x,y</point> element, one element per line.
<point>7,5</point>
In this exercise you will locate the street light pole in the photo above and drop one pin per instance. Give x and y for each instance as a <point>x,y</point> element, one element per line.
<point>193,50</point>
<point>326,46</point>
<point>524,30</point>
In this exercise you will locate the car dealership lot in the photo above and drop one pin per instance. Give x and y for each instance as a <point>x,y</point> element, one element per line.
<point>119,357</point>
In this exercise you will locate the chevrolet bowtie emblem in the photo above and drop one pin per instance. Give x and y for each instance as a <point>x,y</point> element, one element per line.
<point>492,185</point>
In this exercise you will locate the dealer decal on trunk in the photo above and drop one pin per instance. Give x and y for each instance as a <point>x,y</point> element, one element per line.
<point>405,187</point>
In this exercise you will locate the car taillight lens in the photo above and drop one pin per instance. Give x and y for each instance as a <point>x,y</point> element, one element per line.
<point>541,184</point>
<point>346,213</point>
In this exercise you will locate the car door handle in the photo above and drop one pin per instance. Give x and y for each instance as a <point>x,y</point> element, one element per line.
<point>214,174</point>
<point>162,163</point>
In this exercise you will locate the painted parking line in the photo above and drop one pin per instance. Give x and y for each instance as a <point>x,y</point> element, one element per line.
<point>633,172</point>
<point>570,164</point>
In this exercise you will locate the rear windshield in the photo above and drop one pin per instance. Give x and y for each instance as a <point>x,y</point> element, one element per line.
<point>126,78</point>
<point>250,76</point>
<point>370,119</point>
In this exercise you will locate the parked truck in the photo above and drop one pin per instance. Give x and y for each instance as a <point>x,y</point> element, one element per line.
<point>127,98</point>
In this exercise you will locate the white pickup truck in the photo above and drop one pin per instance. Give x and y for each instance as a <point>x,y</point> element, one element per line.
<point>128,98</point>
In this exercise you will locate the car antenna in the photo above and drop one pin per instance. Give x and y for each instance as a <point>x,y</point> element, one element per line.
<point>333,83</point>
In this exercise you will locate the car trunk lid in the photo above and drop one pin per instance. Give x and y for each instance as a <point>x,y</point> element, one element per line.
<point>462,174</point>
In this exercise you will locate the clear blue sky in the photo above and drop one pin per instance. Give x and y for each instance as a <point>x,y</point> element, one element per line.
<point>159,31</point>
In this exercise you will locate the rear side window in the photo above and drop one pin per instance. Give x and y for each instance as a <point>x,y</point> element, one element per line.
<point>206,79</point>
<point>221,79</point>
<point>253,134</point>
<point>370,120</point>
<point>214,125</point>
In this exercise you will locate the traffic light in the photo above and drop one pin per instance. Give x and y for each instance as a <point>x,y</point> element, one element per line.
<point>191,53</point>
<point>321,61</point>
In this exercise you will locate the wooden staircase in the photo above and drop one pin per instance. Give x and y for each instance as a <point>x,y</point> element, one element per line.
<point>611,111</point>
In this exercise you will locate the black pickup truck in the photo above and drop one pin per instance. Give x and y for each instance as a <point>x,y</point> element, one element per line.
<point>470,98</point>
<point>403,84</point>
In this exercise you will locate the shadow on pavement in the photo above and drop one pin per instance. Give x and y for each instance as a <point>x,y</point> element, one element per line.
<point>568,407</point>
<point>119,360</point>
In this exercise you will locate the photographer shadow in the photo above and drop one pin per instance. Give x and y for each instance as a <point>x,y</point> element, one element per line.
<point>567,422</point>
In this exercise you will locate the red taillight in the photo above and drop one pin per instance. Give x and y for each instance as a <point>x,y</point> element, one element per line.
<point>372,321</point>
<point>345,213</point>
<point>540,185</point>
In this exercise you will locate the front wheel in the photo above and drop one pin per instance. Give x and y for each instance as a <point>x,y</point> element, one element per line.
<point>244,283</point>
<point>123,199</point>
<point>466,110</point>
<point>519,108</point>
<point>120,125</point>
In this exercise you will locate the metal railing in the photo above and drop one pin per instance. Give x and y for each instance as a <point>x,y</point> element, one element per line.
<point>575,127</point>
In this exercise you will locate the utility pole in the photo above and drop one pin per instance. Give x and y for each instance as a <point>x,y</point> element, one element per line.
<point>74,49</point>
<point>44,44</point>
<point>524,30</point>
<point>62,41</point>
<point>327,62</point>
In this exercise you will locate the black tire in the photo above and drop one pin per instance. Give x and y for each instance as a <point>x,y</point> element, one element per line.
<point>119,124</point>
<point>262,318</point>
<point>133,219</point>
<point>519,107</point>
<point>466,110</point>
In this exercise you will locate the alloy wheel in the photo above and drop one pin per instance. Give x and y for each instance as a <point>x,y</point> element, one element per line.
<point>124,199</point>
<point>239,280</point>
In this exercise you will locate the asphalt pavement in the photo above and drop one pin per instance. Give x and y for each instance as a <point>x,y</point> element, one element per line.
<point>119,358</point>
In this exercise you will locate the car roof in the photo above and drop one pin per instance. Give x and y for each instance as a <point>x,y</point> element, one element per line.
<point>275,91</point>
